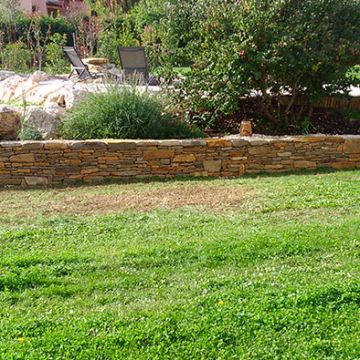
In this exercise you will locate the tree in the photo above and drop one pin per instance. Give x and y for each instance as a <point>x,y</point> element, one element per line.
<point>9,14</point>
<point>268,47</point>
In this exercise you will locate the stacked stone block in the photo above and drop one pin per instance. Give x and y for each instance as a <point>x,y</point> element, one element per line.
<point>51,163</point>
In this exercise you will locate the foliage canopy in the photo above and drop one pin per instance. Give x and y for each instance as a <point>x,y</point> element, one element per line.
<point>301,49</point>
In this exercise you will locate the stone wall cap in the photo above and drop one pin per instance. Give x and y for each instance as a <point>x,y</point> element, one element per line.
<point>350,137</point>
<point>86,144</point>
<point>116,141</point>
<point>192,142</point>
<point>32,145</point>
<point>132,141</point>
<point>235,139</point>
<point>147,142</point>
<point>10,144</point>
<point>171,142</point>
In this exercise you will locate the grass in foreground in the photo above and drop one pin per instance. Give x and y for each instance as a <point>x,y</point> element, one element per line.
<point>253,268</point>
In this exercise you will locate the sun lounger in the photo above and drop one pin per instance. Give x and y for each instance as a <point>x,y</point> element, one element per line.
<point>134,66</point>
<point>78,66</point>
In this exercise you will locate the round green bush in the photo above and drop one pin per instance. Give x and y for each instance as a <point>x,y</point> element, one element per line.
<point>123,113</point>
<point>28,132</point>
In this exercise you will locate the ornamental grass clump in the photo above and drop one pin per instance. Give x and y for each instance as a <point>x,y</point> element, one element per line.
<point>123,113</point>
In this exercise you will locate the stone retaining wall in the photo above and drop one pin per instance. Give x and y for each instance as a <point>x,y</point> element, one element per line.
<point>65,162</point>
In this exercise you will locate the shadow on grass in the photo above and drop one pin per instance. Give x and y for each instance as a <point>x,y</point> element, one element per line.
<point>173,179</point>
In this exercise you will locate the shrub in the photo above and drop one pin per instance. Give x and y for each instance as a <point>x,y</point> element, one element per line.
<point>123,113</point>
<point>108,43</point>
<point>59,25</point>
<point>9,18</point>
<point>17,57</point>
<point>55,59</point>
<point>163,29</point>
<point>21,23</point>
<point>111,27</point>
<point>28,132</point>
<point>354,75</point>
<point>304,48</point>
<point>115,32</point>
<point>30,35</point>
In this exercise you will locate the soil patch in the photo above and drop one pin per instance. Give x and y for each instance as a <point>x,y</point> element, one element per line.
<point>71,202</point>
<point>323,120</point>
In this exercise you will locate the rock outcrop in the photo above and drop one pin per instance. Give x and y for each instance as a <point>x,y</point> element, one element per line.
<point>10,123</point>
<point>44,122</point>
<point>4,74</point>
<point>42,100</point>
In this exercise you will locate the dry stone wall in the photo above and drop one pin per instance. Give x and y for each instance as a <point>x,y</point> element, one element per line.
<point>50,163</point>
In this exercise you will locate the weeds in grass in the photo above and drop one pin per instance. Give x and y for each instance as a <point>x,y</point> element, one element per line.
<point>179,283</point>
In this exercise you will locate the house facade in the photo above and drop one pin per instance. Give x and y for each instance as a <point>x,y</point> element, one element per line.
<point>53,7</point>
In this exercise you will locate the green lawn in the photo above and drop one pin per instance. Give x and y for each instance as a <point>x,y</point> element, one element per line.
<point>253,268</point>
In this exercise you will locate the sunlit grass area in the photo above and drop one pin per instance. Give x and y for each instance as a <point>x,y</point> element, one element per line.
<point>252,268</point>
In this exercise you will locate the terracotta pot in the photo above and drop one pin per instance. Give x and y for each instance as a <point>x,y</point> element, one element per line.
<point>246,128</point>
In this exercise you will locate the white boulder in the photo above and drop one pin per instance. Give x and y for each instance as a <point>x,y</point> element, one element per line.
<point>4,74</point>
<point>38,76</point>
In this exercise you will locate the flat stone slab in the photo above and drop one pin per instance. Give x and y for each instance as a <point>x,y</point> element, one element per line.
<point>96,61</point>
<point>16,88</point>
